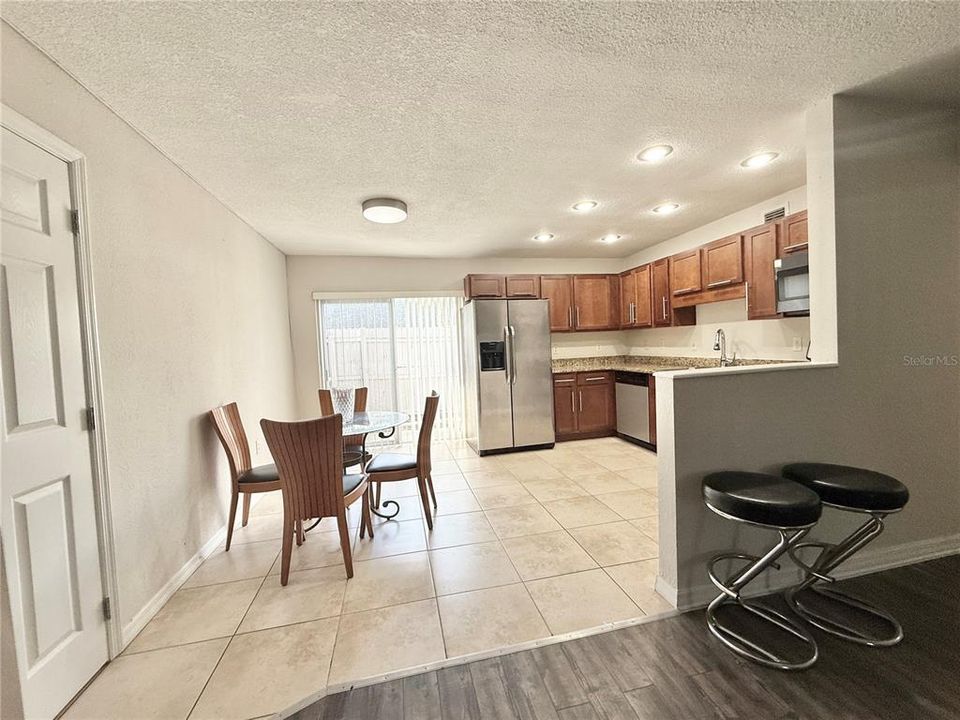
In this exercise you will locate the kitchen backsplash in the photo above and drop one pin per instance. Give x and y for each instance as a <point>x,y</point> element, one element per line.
<point>783,339</point>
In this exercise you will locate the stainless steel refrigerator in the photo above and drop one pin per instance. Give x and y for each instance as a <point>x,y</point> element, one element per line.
<point>509,385</point>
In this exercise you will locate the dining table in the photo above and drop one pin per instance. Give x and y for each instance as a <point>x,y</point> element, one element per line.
<point>384,423</point>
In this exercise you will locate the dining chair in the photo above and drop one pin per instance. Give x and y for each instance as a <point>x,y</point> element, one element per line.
<point>244,479</point>
<point>309,456</point>
<point>353,444</point>
<point>392,467</point>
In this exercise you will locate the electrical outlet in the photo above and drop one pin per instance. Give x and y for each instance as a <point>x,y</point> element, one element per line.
<point>798,343</point>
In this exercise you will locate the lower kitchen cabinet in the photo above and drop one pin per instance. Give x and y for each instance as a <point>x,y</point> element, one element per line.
<point>584,405</point>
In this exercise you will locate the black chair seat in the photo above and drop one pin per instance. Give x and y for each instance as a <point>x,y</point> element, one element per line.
<point>762,499</point>
<point>351,482</point>
<point>391,462</point>
<point>850,487</point>
<point>260,474</point>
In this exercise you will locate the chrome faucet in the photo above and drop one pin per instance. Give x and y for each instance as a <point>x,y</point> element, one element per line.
<point>720,343</point>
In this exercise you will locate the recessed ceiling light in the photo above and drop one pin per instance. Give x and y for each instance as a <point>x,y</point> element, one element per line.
<point>611,238</point>
<point>666,208</point>
<point>760,159</point>
<point>585,205</point>
<point>654,153</point>
<point>385,210</point>
<point>543,237</point>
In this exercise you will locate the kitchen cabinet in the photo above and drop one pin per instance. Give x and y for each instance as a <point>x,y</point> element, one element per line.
<point>686,277</point>
<point>722,262</point>
<point>760,249</point>
<point>636,298</point>
<point>584,405</point>
<point>595,305</point>
<point>565,404</point>
<point>522,286</point>
<point>661,293</point>
<point>793,234</point>
<point>558,289</point>
<point>484,286</point>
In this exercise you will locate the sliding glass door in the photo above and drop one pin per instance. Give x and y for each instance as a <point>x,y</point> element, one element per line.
<point>402,349</point>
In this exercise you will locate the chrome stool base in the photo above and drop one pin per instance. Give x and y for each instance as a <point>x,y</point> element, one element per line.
<point>818,581</point>
<point>730,595</point>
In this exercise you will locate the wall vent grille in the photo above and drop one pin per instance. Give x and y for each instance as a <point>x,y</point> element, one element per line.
<point>776,214</point>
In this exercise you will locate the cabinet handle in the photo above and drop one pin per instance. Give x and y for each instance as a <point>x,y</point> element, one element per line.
<point>573,404</point>
<point>595,378</point>
<point>633,313</point>
<point>578,316</point>
<point>685,290</point>
<point>570,317</point>
<point>664,299</point>
<point>795,247</point>
<point>565,380</point>
<point>580,393</point>
<point>747,285</point>
<point>720,283</point>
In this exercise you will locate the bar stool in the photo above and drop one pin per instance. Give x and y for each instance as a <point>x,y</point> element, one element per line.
<point>853,490</point>
<point>771,502</point>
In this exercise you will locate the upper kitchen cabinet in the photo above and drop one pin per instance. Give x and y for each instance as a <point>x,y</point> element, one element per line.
<point>595,302</point>
<point>484,286</point>
<point>685,273</point>
<point>523,286</point>
<point>722,263</point>
<point>558,289</point>
<point>793,234</point>
<point>661,293</point>
<point>759,252</point>
<point>636,298</point>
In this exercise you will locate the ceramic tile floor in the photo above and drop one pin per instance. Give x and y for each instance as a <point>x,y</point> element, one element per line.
<point>524,546</point>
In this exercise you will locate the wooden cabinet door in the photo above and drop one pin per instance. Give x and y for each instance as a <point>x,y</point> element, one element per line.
<point>595,407</point>
<point>595,304</point>
<point>685,276</point>
<point>628,299</point>
<point>523,286</point>
<point>661,293</point>
<point>483,286</point>
<point>643,309</point>
<point>565,403</point>
<point>558,289</point>
<point>722,263</point>
<point>759,252</point>
<point>793,234</point>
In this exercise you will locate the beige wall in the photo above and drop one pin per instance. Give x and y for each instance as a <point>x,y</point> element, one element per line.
<point>192,313</point>
<point>307,274</point>
<point>896,201</point>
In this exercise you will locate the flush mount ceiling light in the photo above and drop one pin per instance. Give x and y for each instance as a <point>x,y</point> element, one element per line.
<point>609,238</point>
<point>760,159</point>
<point>666,208</point>
<point>585,205</point>
<point>654,153</point>
<point>385,210</point>
<point>543,237</point>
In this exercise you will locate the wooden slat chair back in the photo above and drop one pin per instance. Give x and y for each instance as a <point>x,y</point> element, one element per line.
<point>359,405</point>
<point>309,456</point>
<point>244,478</point>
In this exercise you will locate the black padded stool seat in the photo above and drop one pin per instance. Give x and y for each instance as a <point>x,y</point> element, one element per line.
<point>761,499</point>
<point>850,487</point>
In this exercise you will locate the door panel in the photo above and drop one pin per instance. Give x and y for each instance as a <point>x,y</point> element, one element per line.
<point>558,290</point>
<point>793,236</point>
<point>48,516</point>
<point>628,298</point>
<point>495,428</point>
<point>594,301</point>
<point>661,293</point>
<point>759,253</point>
<point>643,310</point>
<point>532,377</point>
<point>565,403</point>
<point>685,273</point>
<point>723,263</point>
<point>595,405</point>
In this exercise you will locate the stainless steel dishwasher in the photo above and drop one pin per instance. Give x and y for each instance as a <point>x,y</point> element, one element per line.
<point>633,406</point>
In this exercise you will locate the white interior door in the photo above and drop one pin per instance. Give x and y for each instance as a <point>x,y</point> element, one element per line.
<point>48,519</point>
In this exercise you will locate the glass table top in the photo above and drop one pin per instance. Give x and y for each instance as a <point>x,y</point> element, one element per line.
<point>376,421</point>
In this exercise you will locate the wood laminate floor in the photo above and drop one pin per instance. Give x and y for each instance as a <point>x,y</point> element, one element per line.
<point>674,670</point>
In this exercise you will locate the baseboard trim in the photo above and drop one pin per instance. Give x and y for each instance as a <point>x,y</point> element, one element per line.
<point>146,613</point>
<point>865,563</point>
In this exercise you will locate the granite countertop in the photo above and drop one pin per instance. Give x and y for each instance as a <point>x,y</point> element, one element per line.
<point>645,363</point>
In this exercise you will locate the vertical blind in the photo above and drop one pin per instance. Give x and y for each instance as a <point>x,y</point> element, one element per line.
<point>402,349</point>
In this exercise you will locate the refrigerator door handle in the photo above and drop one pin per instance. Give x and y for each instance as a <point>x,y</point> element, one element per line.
<point>513,357</point>
<point>507,355</point>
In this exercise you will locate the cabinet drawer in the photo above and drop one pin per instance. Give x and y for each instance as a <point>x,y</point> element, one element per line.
<point>601,377</point>
<point>523,286</point>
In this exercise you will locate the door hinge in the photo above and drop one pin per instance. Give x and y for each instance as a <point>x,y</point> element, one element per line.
<point>75,221</point>
<point>91,419</point>
<point>106,608</point>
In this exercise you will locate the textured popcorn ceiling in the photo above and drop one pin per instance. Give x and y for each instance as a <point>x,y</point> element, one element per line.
<point>490,120</point>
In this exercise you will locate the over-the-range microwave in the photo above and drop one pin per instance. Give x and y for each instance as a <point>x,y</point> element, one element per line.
<point>793,284</point>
